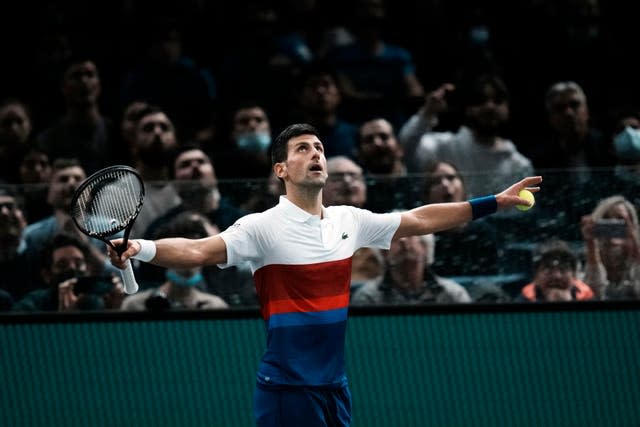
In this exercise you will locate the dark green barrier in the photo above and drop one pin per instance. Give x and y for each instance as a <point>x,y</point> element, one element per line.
<point>573,365</point>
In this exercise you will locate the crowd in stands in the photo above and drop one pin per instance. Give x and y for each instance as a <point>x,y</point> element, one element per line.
<point>414,103</point>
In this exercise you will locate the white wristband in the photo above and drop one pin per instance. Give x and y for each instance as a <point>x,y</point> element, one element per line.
<point>147,250</point>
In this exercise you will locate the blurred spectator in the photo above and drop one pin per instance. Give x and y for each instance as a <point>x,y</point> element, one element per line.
<point>573,141</point>
<point>35,173</point>
<point>249,66</point>
<point>381,157</point>
<point>154,141</point>
<point>626,143</point>
<point>345,183</point>
<point>264,194</point>
<point>367,269</point>
<point>409,278</point>
<point>478,148</point>
<point>83,131</point>
<point>555,278</point>
<point>15,133</point>
<point>66,176</point>
<point>318,103</point>
<point>612,249</point>
<point>195,181</point>
<point>455,248</point>
<point>182,288</point>
<point>376,77</point>
<point>167,77</point>
<point>245,154</point>
<point>379,152</point>
<point>14,264</point>
<point>70,282</point>
<point>128,127</point>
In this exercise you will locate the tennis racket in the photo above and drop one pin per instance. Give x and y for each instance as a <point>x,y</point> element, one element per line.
<point>106,203</point>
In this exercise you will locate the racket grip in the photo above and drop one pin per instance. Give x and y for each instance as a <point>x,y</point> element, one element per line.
<point>128,279</point>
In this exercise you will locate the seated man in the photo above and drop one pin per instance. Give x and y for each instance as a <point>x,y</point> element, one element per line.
<point>555,276</point>
<point>409,279</point>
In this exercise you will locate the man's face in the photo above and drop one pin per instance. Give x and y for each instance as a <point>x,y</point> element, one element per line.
<point>128,126</point>
<point>306,164</point>
<point>81,83</point>
<point>35,168</point>
<point>489,113</point>
<point>407,257</point>
<point>250,120</point>
<point>345,184</point>
<point>12,223</point>
<point>320,94</point>
<point>195,169</point>
<point>15,125</point>
<point>554,278</point>
<point>67,262</point>
<point>379,149</point>
<point>62,186</point>
<point>444,185</point>
<point>568,114</point>
<point>155,137</point>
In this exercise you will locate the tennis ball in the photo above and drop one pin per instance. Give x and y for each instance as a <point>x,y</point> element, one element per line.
<point>527,195</point>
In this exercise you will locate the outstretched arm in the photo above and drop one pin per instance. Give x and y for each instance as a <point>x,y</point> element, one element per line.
<point>436,217</point>
<point>174,252</point>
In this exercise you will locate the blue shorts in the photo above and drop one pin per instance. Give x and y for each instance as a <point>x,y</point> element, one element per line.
<point>302,406</point>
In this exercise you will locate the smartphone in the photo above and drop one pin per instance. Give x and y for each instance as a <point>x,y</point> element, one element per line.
<point>610,228</point>
<point>97,285</point>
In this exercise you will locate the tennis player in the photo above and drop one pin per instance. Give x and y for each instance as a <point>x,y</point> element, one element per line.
<point>300,254</point>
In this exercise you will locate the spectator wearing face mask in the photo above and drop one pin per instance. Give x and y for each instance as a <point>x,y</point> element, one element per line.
<point>185,287</point>
<point>245,153</point>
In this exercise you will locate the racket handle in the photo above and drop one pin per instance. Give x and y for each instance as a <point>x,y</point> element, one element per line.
<point>128,279</point>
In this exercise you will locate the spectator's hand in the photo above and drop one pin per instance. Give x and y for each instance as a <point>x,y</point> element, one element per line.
<point>67,299</point>
<point>436,101</point>
<point>113,300</point>
<point>586,227</point>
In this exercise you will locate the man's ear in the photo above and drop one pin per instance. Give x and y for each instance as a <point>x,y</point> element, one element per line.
<point>280,169</point>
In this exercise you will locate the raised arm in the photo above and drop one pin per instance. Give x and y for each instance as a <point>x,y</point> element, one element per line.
<point>175,252</point>
<point>436,217</point>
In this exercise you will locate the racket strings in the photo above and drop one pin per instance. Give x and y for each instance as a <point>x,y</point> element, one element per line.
<point>109,204</point>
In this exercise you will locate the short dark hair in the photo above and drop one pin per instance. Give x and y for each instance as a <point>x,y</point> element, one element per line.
<point>555,252</point>
<point>179,150</point>
<point>62,240</point>
<point>279,146</point>
<point>65,162</point>
<point>472,93</point>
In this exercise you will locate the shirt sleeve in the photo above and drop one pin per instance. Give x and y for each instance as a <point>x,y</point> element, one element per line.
<point>376,230</point>
<point>242,241</point>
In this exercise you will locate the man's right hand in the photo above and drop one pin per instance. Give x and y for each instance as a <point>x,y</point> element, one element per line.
<point>133,247</point>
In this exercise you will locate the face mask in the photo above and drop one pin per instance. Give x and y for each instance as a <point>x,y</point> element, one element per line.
<point>627,144</point>
<point>184,281</point>
<point>254,142</point>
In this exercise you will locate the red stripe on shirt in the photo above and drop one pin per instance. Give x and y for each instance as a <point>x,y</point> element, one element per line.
<point>303,287</point>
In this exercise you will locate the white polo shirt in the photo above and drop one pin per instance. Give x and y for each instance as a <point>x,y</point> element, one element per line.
<point>302,270</point>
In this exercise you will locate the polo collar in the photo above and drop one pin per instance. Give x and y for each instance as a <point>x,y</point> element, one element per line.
<point>297,214</point>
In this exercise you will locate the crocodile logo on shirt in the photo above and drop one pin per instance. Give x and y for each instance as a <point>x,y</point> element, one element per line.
<point>345,236</point>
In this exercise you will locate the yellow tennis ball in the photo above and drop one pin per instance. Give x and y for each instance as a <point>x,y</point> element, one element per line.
<point>527,195</point>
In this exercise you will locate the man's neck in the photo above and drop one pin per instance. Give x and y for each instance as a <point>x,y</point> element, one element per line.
<point>309,200</point>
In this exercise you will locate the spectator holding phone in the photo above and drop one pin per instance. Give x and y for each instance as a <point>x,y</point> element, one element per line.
<point>67,271</point>
<point>612,249</point>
